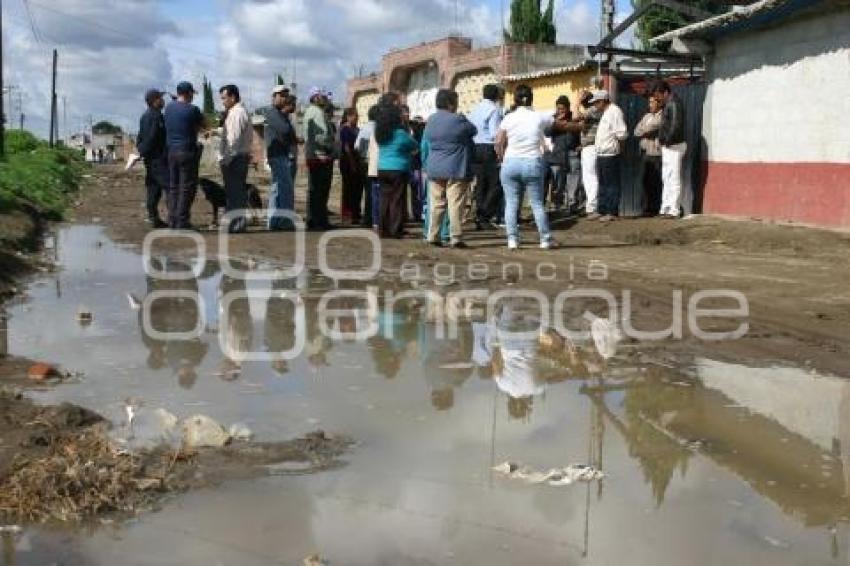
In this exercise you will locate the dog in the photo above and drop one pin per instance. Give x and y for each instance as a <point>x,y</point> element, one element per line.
<point>215,195</point>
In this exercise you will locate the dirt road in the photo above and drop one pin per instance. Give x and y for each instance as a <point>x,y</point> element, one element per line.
<point>794,278</point>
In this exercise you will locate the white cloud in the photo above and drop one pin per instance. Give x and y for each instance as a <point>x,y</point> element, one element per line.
<point>110,51</point>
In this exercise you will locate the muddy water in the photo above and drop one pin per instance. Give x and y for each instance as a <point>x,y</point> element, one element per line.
<point>707,462</point>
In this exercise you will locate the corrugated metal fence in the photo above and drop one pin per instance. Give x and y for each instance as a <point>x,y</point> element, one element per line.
<point>634,106</point>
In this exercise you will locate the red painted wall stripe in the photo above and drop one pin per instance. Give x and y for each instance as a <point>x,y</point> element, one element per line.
<point>814,193</point>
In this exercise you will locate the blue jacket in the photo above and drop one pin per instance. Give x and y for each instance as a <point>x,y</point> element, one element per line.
<point>450,136</point>
<point>395,155</point>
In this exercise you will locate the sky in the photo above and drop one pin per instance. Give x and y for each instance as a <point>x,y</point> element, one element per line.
<point>111,51</point>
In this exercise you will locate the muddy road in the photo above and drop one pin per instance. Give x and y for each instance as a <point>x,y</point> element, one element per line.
<point>713,451</point>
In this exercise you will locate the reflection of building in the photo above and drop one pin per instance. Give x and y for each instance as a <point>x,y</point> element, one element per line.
<point>417,72</point>
<point>784,432</point>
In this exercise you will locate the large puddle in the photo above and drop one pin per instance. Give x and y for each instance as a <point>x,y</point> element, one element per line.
<point>706,463</point>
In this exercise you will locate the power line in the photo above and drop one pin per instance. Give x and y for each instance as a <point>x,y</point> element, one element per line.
<point>33,26</point>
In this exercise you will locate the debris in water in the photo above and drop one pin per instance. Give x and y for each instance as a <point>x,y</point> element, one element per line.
<point>776,542</point>
<point>314,560</point>
<point>239,431</point>
<point>606,336</point>
<point>84,316</point>
<point>41,372</point>
<point>555,476</point>
<point>135,303</point>
<point>201,431</point>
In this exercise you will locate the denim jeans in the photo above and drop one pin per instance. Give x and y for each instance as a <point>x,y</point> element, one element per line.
<point>282,192</point>
<point>183,173</point>
<point>519,175</point>
<point>609,184</point>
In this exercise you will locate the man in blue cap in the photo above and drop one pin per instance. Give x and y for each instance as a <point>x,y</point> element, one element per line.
<point>151,147</point>
<point>183,122</point>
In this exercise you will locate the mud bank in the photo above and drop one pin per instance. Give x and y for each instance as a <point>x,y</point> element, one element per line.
<point>58,463</point>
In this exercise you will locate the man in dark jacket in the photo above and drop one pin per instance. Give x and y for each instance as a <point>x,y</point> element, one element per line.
<point>449,167</point>
<point>151,147</point>
<point>671,137</point>
<point>281,142</point>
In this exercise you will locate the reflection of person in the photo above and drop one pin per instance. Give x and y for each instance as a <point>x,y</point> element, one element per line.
<point>239,328</point>
<point>444,361</point>
<point>514,369</point>
<point>280,324</point>
<point>173,314</point>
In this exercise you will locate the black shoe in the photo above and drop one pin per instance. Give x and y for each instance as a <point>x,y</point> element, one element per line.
<point>458,246</point>
<point>436,244</point>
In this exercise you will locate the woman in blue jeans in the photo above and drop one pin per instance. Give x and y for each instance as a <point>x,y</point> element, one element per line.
<point>520,145</point>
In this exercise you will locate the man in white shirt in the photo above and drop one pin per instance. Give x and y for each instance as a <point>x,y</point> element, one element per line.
<point>235,155</point>
<point>609,134</point>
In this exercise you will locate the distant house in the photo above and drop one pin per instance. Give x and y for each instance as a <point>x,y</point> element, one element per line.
<point>776,120</point>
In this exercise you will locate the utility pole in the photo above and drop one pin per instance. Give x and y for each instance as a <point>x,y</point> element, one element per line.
<point>606,27</point>
<point>2,115</point>
<point>53,102</point>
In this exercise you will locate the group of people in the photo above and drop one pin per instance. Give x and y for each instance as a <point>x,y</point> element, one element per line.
<point>168,143</point>
<point>396,169</point>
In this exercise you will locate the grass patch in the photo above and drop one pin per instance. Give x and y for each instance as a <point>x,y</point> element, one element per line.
<point>36,176</point>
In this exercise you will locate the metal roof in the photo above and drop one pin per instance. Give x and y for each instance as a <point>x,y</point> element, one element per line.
<point>739,18</point>
<point>551,72</point>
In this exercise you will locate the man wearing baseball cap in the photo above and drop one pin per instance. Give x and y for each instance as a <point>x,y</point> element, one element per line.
<point>610,134</point>
<point>151,146</point>
<point>319,152</point>
<point>183,121</point>
<point>281,143</point>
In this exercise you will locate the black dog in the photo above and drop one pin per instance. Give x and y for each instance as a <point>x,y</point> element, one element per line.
<point>215,195</point>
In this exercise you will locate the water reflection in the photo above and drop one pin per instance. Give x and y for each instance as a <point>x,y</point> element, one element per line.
<point>436,406</point>
<point>172,315</point>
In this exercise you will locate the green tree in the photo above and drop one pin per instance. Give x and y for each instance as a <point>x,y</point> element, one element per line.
<point>209,100</point>
<point>530,24</point>
<point>660,20</point>
<point>105,127</point>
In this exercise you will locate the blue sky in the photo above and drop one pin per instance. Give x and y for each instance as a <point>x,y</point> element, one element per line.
<point>110,51</point>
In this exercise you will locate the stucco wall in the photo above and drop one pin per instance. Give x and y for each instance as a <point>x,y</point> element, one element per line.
<point>363,101</point>
<point>469,87</point>
<point>548,89</point>
<point>776,122</point>
<point>782,94</point>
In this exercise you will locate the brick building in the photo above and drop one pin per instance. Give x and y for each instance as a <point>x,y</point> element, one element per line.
<point>418,72</point>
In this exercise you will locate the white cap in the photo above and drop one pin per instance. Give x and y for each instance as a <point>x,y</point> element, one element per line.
<point>280,89</point>
<point>599,95</point>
